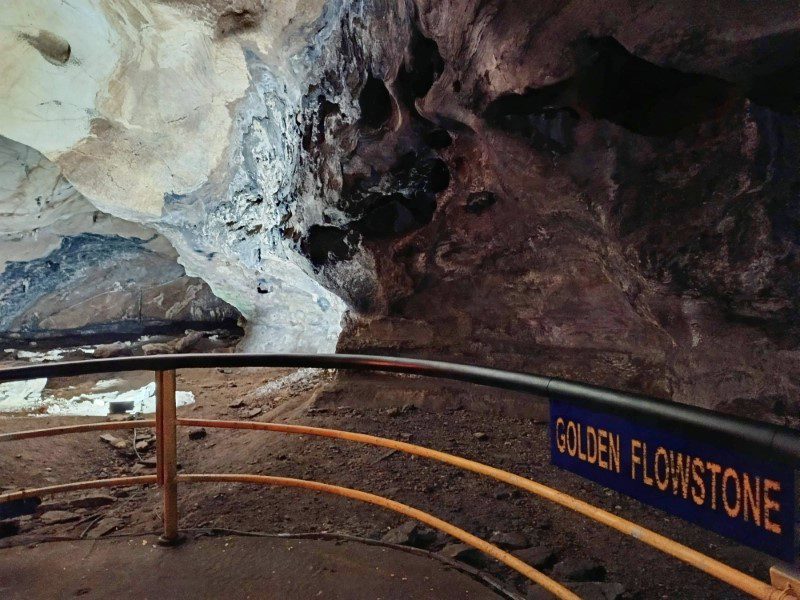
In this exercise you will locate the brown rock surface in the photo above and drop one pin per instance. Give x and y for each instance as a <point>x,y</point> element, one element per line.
<point>621,204</point>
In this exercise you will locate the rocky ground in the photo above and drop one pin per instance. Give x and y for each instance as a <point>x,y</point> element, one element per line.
<point>234,566</point>
<point>494,427</point>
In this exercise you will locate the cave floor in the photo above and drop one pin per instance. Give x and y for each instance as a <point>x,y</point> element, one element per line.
<point>476,424</point>
<point>229,567</point>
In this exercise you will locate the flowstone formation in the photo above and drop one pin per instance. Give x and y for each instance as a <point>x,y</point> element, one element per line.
<point>599,190</point>
<point>161,114</point>
<point>250,135</point>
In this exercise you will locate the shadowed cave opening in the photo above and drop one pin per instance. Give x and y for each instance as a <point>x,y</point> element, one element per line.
<point>421,68</point>
<point>611,83</point>
<point>375,103</point>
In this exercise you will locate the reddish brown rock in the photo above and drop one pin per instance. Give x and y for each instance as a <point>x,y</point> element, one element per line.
<point>643,228</point>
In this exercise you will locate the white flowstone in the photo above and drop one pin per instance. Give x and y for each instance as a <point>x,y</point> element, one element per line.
<point>158,114</point>
<point>25,396</point>
<point>16,396</point>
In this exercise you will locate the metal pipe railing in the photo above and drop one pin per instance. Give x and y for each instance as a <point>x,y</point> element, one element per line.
<point>715,568</point>
<point>759,436</point>
<point>66,429</point>
<point>772,441</point>
<point>77,486</point>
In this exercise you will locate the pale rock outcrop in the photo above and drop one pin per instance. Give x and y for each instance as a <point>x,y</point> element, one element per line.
<point>162,113</point>
<point>67,268</point>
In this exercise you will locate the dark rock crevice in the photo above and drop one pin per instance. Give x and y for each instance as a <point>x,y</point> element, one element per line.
<point>612,84</point>
<point>420,69</point>
<point>730,240</point>
<point>394,174</point>
<point>101,284</point>
<point>375,103</point>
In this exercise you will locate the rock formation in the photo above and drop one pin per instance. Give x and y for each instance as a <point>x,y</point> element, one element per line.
<point>623,204</point>
<point>68,270</point>
<point>600,190</point>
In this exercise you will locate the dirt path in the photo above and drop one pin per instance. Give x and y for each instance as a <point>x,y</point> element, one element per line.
<point>506,431</point>
<point>229,567</point>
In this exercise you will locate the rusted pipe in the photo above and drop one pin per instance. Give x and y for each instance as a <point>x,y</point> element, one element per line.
<point>159,436</point>
<point>51,431</point>
<point>509,560</point>
<point>76,486</point>
<point>721,571</point>
<point>168,454</point>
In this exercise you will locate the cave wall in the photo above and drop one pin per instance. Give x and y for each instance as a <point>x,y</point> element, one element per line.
<point>623,203</point>
<point>68,270</point>
<point>599,190</point>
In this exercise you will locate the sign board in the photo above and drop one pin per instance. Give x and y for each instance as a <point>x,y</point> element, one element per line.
<point>746,498</point>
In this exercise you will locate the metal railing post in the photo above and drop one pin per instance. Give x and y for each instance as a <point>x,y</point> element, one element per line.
<point>167,453</point>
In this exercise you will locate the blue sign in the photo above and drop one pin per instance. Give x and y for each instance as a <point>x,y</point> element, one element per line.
<point>743,497</point>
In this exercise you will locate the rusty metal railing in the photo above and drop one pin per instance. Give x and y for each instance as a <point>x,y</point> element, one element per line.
<point>783,441</point>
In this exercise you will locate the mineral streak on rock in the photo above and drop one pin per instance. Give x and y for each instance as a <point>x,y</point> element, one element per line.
<point>67,269</point>
<point>53,48</point>
<point>645,229</point>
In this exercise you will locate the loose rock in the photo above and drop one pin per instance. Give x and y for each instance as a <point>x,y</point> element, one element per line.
<point>463,553</point>
<point>253,412</point>
<point>112,350</point>
<point>189,341</point>
<point>92,501</point>
<point>579,569</point>
<point>509,541</point>
<point>104,527</point>
<point>158,348</point>
<point>53,517</point>
<point>598,591</point>
<point>197,434</point>
<point>114,441</point>
<point>410,534</point>
<point>396,411</point>
<point>540,557</point>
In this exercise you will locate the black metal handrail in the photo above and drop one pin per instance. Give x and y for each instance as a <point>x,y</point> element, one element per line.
<point>769,440</point>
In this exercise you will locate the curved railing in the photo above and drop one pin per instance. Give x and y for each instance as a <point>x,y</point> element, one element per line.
<point>763,438</point>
